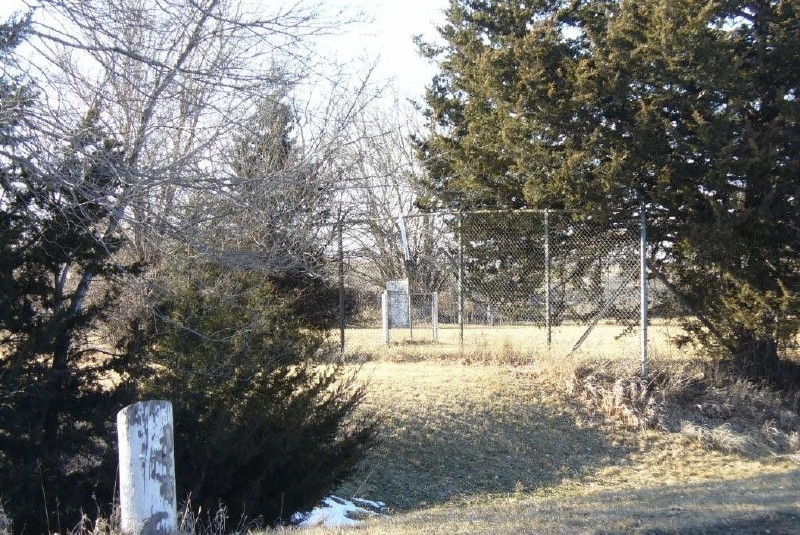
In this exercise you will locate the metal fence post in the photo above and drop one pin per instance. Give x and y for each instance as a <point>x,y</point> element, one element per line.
<point>547,304</point>
<point>435,316</point>
<point>410,312</point>
<point>643,287</point>
<point>341,288</point>
<point>385,316</point>
<point>460,282</point>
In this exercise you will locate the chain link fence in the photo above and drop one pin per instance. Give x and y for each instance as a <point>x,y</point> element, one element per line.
<point>514,283</point>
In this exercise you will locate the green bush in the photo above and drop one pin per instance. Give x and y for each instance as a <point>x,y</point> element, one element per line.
<point>263,423</point>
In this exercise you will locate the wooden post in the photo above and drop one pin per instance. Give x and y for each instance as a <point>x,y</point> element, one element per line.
<point>147,469</point>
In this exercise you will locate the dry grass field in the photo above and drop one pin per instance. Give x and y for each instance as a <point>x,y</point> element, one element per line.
<point>550,445</point>
<point>513,344</point>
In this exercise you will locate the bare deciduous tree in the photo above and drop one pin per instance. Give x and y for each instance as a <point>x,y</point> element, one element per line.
<point>174,81</point>
<point>384,180</point>
<point>126,151</point>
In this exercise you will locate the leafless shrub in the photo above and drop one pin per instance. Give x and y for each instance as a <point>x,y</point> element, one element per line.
<point>630,400</point>
<point>723,438</point>
<point>776,437</point>
<point>729,415</point>
<point>743,398</point>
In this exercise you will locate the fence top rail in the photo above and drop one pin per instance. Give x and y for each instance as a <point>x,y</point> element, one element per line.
<point>361,221</point>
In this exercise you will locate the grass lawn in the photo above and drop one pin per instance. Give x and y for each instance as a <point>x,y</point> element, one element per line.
<point>510,448</point>
<point>510,344</point>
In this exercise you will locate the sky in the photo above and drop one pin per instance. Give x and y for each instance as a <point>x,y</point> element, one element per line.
<point>386,36</point>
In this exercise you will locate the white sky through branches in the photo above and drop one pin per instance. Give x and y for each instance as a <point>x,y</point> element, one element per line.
<point>389,36</point>
<point>385,38</point>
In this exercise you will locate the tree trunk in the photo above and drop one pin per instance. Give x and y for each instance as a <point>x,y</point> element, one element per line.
<point>756,356</point>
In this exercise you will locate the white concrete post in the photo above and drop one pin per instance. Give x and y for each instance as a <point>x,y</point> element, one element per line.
<point>147,469</point>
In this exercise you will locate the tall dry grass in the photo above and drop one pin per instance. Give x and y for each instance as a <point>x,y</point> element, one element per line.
<point>492,439</point>
<point>510,344</point>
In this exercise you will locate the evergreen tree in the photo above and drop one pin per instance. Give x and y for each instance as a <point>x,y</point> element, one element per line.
<point>69,199</point>
<point>598,105</point>
<point>263,423</point>
<point>286,203</point>
<point>56,438</point>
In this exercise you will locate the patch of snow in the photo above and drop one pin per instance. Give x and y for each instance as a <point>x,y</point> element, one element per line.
<point>336,511</point>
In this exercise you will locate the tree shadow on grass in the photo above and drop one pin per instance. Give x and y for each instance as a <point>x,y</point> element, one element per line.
<point>758,504</point>
<point>783,522</point>
<point>465,435</point>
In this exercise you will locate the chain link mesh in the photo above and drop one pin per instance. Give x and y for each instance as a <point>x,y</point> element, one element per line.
<point>522,282</point>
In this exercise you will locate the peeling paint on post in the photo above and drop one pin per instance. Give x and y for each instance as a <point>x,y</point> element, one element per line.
<point>147,469</point>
